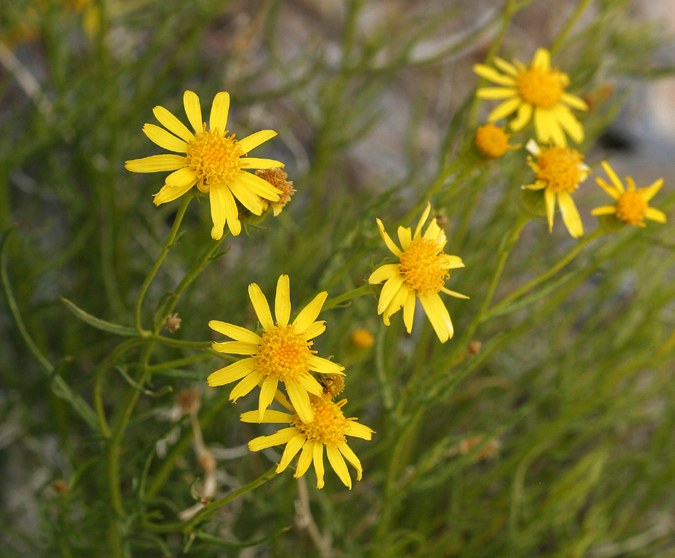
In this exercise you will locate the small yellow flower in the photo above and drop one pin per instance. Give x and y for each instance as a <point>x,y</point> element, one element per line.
<point>329,428</point>
<point>632,205</point>
<point>493,141</point>
<point>420,272</point>
<point>213,161</point>
<point>535,91</point>
<point>277,178</point>
<point>559,171</point>
<point>281,354</point>
<point>362,338</point>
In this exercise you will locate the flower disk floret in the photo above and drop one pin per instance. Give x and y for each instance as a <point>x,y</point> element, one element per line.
<point>632,204</point>
<point>328,429</point>
<point>536,92</point>
<point>421,273</point>
<point>280,354</point>
<point>214,161</point>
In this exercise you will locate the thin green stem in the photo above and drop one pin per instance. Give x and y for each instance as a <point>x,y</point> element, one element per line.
<point>185,201</point>
<point>349,295</point>
<point>597,233</point>
<point>571,22</point>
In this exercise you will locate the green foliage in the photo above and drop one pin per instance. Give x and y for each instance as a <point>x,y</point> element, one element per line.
<point>543,428</point>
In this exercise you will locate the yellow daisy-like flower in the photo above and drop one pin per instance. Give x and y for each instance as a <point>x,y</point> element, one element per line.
<point>559,171</point>
<point>535,91</point>
<point>420,273</point>
<point>632,205</point>
<point>213,161</point>
<point>281,354</point>
<point>329,428</point>
<point>493,141</point>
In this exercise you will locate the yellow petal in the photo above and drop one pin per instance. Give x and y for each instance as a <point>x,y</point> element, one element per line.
<point>318,464</point>
<point>409,310</point>
<point>237,333</point>
<point>339,466</point>
<point>305,459</point>
<point>607,188</point>
<point>396,303</point>
<point>438,315</point>
<point>547,120</point>
<point>245,386</point>
<point>281,399</point>
<point>282,301</point>
<point>453,293</point>
<point>569,122</point>
<point>541,126</point>
<point>404,237</point>
<point>254,140</point>
<point>496,92</point>
<point>248,199</point>
<point>219,111</point>
<point>655,215</point>
<point>156,163</point>
<point>171,123</point>
<point>258,186</point>
<point>324,366</point>
<point>262,309</point>
<point>170,193</point>
<point>549,198</point>
<point>452,262</point>
<point>217,197</point>
<point>506,108</point>
<point>542,59</point>
<point>387,239</point>
<point>383,273</point>
<point>254,163</point>
<point>574,101</point>
<point>181,178</point>
<point>613,176</point>
<point>433,231</point>
<point>293,446</point>
<point>390,288</point>
<point>650,191</point>
<point>423,219</point>
<point>164,139</point>
<point>309,313</point>
<point>314,330</point>
<point>309,383</point>
<point>193,110</point>
<point>231,212</point>
<point>267,391</point>
<point>523,117</point>
<point>231,373</point>
<point>570,215</point>
<point>358,430</point>
<point>350,456</point>
<point>492,75</point>
<point>269,416</point>
<point>300,401</point>
<point>236,347</point>
<point>604,210</point>
<point>505,66</point>
<point>279,438</point>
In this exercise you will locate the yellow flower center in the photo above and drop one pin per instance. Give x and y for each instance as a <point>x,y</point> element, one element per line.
<point>329,424</point>
<point>420,266</point>
<point>492,141</point>
<point>283,353</point>
<point>560,168</point>
<point>214,157</point>
<point>540,88</point>
<point>631,208</point>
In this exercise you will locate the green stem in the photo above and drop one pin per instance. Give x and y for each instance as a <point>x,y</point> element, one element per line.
<point>185,201</point>
<point>210,508</point>
<point>571,22</point>
<point>349,295</point>
<point>597,233</point>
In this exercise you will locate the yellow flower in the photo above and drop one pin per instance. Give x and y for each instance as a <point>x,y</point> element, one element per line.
<point>328,428</point>
<point>420,272</point>
<point>213,161</point>
<point>492,141</point>
<point>559,171</point>
<point>535,90</point>
<point>632,205</point>
<point>281,354</point>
